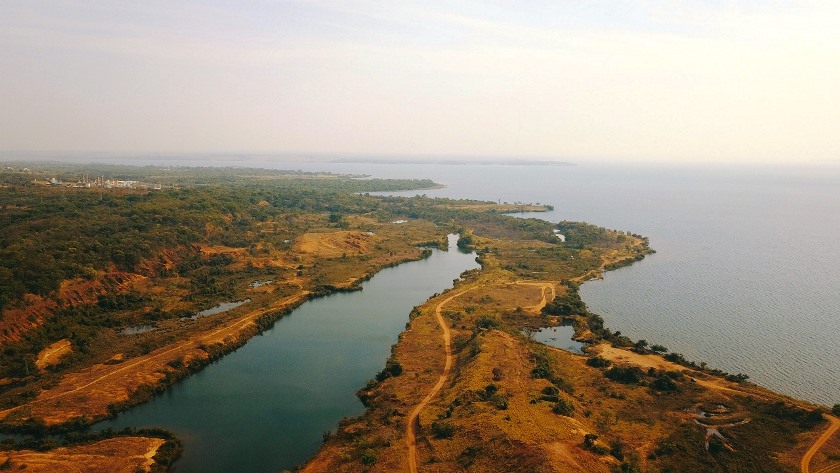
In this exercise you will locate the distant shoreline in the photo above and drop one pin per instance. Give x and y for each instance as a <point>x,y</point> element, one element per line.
<point>227,158</point>
<point>450,162</point>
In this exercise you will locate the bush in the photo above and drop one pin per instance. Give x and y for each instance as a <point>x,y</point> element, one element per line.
<point>598,362</point>
<point>392,368</point>
<point>564,408</point>
<point>567,304</point>
<point>626,375</point>
<point>368,458</point>
<point>486,322</point>
<point>442,430</point>
<point>664,383</point>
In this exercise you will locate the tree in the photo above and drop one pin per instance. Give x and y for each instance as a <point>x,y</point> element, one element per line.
<point>598,362</point>
<point>442,430</point>
<point>564,407</point>
<point>640,346</point>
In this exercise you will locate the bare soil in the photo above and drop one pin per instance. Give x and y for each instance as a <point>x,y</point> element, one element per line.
<point>115,455</point>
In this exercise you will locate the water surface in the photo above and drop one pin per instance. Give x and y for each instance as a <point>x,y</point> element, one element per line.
<point>265,407</point>
<point>561,336</point>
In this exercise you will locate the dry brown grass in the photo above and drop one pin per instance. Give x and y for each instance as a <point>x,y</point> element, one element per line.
<point>529,296</point>
<point>52,354</point>
<point>336,244</point>
<point>116,455</point>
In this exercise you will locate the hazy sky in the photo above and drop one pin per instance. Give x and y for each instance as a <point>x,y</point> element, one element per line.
<point>738,81</point>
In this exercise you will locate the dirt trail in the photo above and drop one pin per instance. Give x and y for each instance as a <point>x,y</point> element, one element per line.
<point>547,294</point>
<point>805,464</point>
<point>410,433</point>
<point>52,354</point>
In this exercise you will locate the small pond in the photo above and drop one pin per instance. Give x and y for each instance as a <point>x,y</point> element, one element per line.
<point>560,337</point>
<point>218,309</point>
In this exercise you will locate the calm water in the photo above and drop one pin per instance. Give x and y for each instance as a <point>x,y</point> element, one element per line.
<point>748,266</point>
<point>559,337</point>
<point>265,407</point>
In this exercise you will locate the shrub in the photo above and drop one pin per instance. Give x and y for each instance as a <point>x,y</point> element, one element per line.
<point>368,458</point>
<point>598,362</point>
<point>442,430</point>
<point>486,322</point>
<point>664,383</point>
<point>499,401</point>
<point>626,375</point>
<point>392,368</point>
<point>641,346</point>
<point>543,369</point>
<point>564,407</point>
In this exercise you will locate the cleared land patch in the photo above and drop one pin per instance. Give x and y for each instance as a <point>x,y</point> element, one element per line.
<point>52,354</point>
<point>335,244</point>
<point>115,455</point>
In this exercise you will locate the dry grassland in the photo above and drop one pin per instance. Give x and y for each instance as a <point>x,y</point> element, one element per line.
<point>116,455</point>
<point>53,353</point>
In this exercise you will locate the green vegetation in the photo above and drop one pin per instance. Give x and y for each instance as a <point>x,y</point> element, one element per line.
<point>442,430</point>
<point>566,304</point>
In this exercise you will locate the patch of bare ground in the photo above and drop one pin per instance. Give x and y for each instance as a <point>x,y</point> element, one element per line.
<point>52,354</point>
<point>115,455</point>
<point>335,244</point>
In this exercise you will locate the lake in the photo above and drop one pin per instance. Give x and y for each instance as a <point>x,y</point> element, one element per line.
<point>265,407</point>
<point>747,265</point>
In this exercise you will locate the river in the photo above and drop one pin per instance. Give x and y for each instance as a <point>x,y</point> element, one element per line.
<point>265,407</point>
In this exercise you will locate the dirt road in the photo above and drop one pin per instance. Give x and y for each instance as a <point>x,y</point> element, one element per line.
<point>410,428</point>
<point>805,464</point>
<point>547,294</point>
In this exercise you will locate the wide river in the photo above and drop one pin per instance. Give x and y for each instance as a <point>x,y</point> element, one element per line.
<point>265,407</point>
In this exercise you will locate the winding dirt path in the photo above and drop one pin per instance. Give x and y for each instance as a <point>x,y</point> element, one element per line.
<point>834,425</point>
<point>410,427</point>
<point>547,293</point>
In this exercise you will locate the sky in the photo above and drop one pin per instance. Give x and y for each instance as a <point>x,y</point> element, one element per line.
<point>647,80</point>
